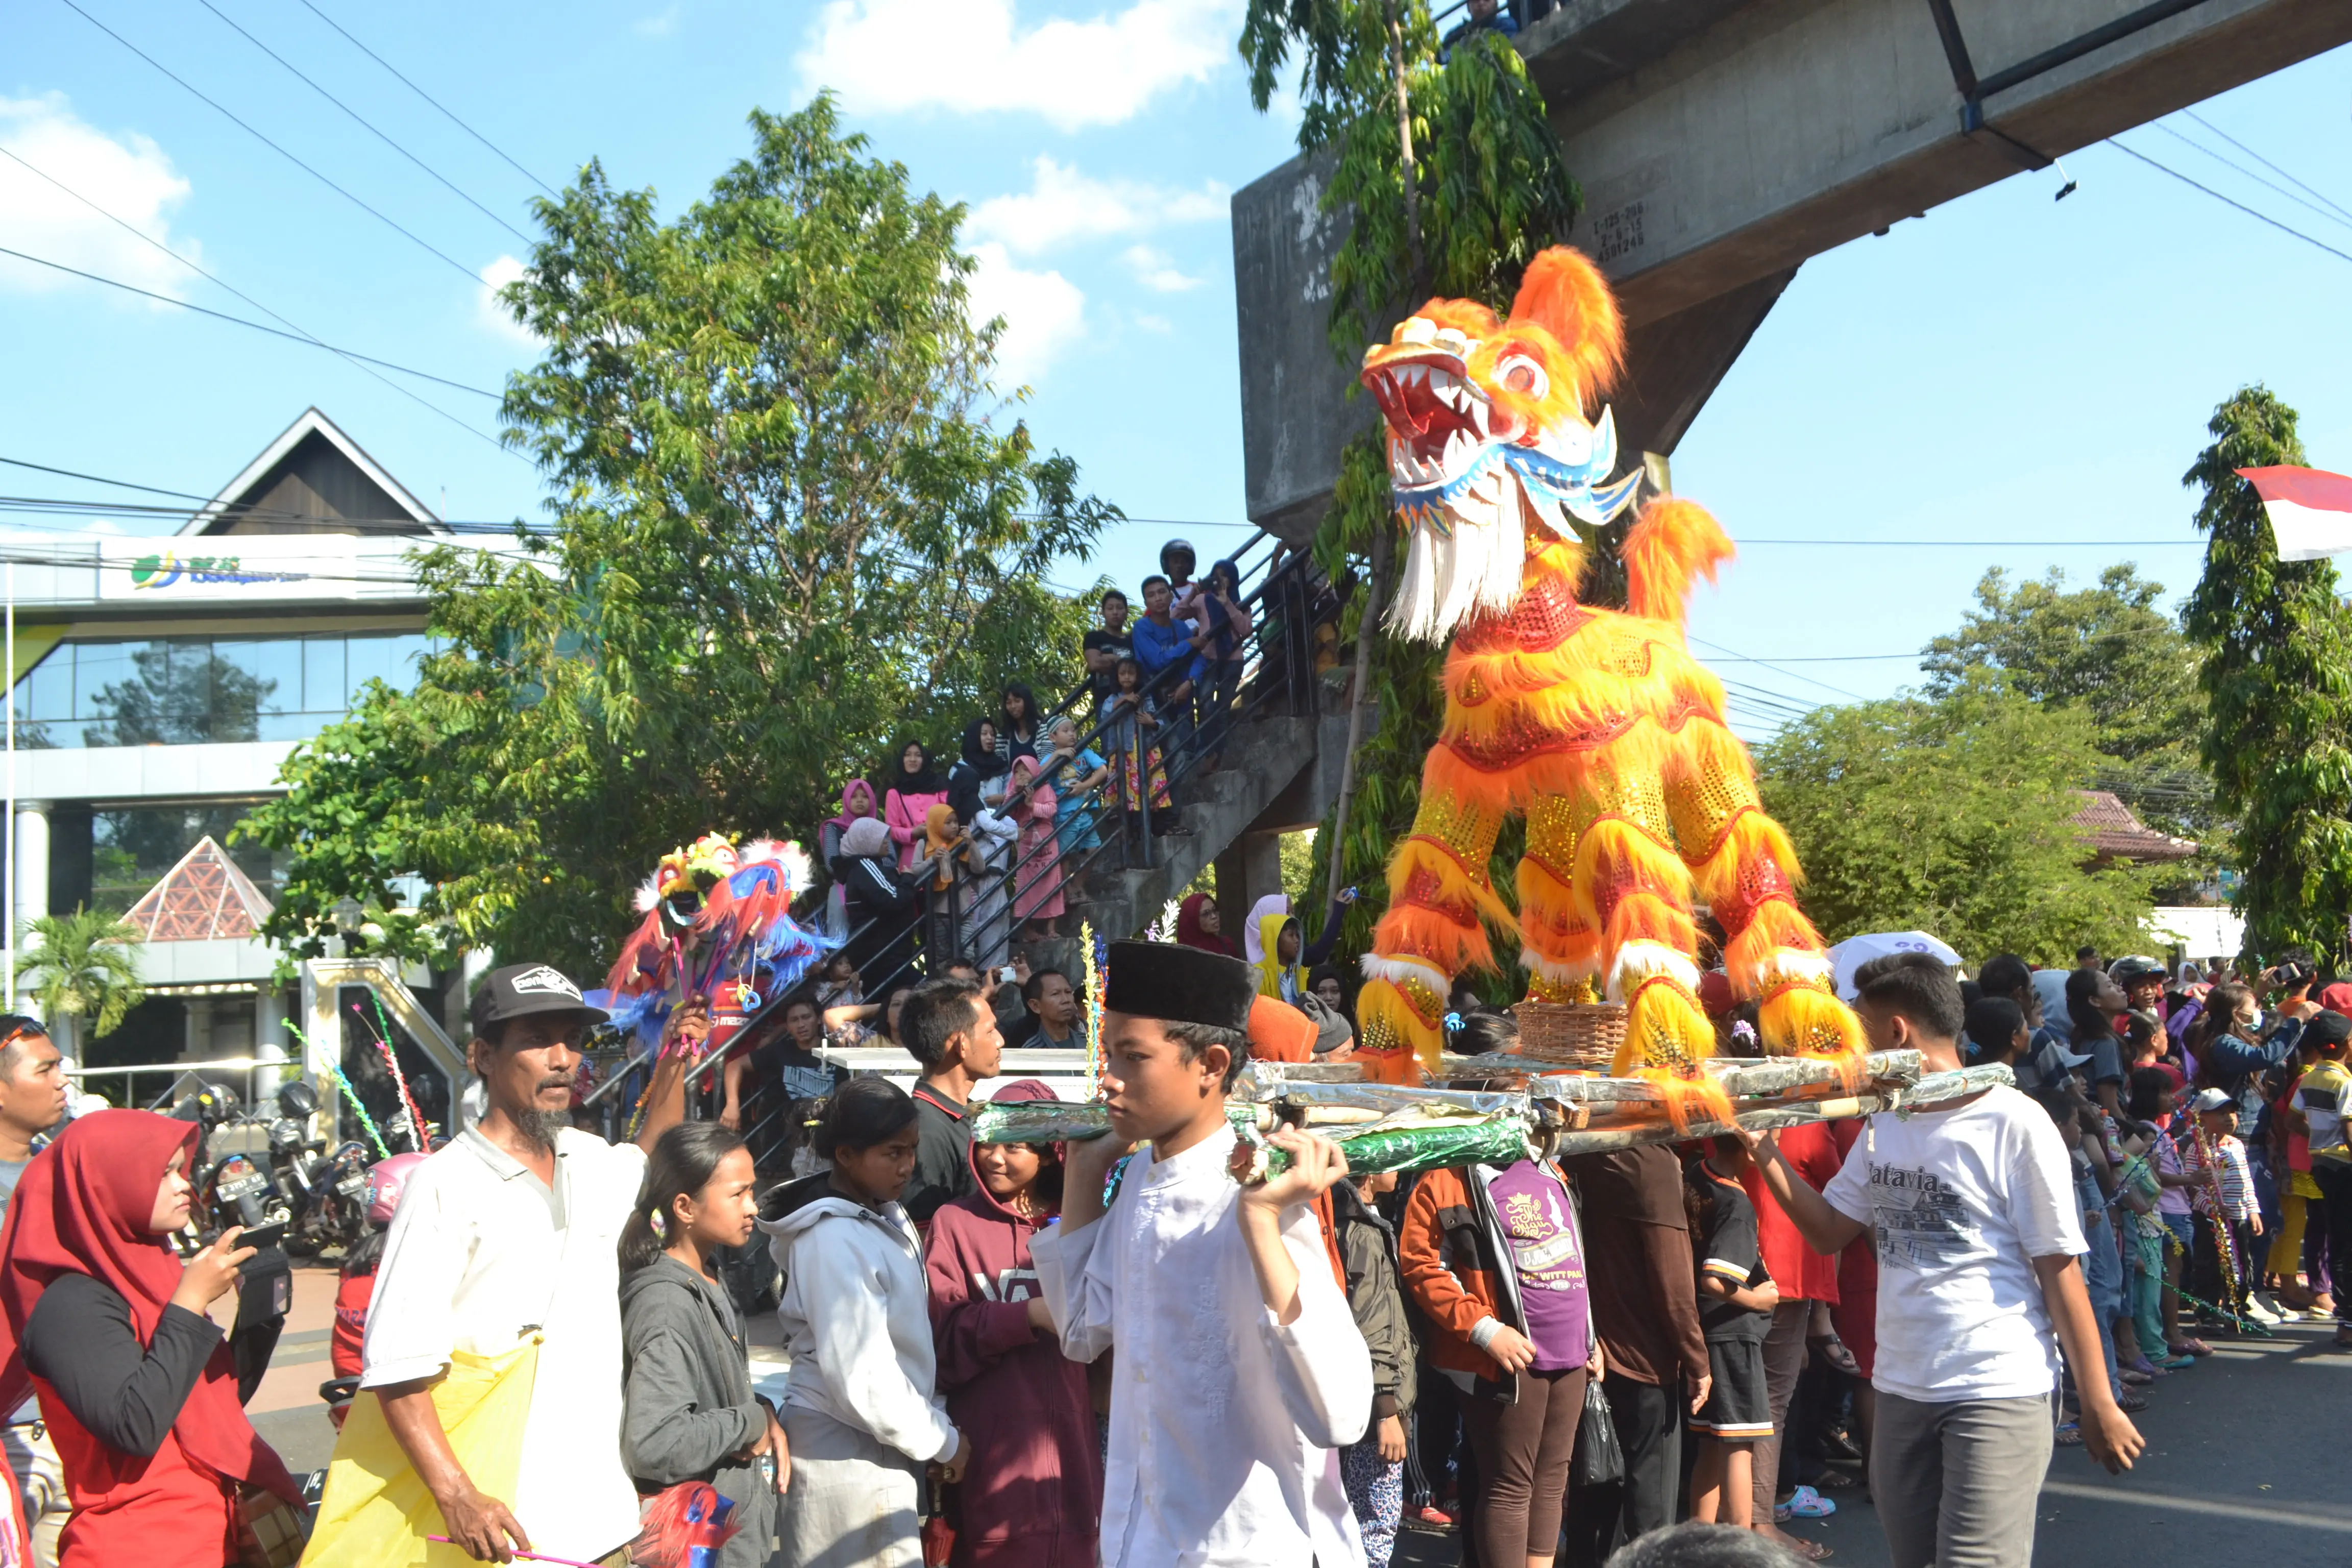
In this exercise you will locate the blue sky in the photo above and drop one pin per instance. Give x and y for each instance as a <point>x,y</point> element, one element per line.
<point>2007,368</point>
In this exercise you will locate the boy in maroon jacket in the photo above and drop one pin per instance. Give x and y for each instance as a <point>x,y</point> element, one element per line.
<point>1032,1495</point>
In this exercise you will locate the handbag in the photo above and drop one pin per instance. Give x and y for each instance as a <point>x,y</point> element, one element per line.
<point>270,1532</point>
<point>1600,1461</point>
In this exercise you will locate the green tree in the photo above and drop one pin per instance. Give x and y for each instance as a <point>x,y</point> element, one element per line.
<point>2277,679</point>
<point>793,522</point>
<point>81,966</point>
<point>1952,816</point>
<point>1450,179</point>
<point>2111,646</point>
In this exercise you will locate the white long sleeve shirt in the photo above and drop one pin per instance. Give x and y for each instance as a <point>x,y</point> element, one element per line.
<point>482,1251</point>
<point>1223,1424</point>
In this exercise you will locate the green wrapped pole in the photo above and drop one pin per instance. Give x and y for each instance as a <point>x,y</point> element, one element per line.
<point>1488,1140</point>
<point>1062,1121</point>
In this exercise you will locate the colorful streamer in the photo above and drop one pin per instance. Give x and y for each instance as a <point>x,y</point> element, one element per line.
<point>1092,951</point>
<point>399,1080</point>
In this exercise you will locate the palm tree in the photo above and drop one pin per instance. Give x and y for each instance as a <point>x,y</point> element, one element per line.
<point>81,965</point>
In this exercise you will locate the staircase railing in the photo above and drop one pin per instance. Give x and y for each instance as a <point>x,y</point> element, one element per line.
<point>977,917</point>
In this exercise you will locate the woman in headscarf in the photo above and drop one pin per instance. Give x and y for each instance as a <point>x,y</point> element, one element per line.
<point>1038,858</point>
<point>1200,924</point>
<point>883,904</point>
<point>1275,946</point>
<point>136,1383</point>
<point>975,780</point>
<point>858,802</point>
<point>1020,728</point>
<point>914,788</point>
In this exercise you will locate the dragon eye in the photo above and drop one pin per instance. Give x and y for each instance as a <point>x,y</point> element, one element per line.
<point>1523,376</point>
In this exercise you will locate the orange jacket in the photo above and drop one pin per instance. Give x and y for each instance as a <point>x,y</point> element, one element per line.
<point>1458,1268</point>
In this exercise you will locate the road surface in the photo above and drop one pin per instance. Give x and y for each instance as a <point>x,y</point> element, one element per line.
<point>2244,1465</point>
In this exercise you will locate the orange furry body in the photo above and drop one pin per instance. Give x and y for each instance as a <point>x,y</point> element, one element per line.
<point>1595,724</point>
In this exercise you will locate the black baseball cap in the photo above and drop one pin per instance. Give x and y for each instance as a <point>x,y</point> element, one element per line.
<point>527,990</point>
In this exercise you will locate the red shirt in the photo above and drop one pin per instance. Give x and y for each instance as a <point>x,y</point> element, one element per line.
<point>352,1299</point>
<point>1801,1273</point>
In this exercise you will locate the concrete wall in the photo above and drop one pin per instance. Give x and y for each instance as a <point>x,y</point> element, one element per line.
<point>1719,145</point>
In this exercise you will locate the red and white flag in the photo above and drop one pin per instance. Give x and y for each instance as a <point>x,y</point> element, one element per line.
<point>2310,510</point>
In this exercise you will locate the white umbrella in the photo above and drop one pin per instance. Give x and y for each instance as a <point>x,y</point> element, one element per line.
<point>1856,951</point>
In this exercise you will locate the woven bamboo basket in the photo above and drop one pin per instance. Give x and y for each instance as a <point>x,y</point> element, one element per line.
<point>1574,1034</point>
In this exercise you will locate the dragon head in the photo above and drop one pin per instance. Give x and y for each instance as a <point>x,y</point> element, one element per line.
<point>1490,450</point>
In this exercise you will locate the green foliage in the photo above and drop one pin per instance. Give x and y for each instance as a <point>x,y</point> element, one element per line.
<point>84,965</point>
<point>788,532</point>
<point>1490,189</point>
<point>1953,817</point>
<point>2277,679</point>
<point>2111,648</point>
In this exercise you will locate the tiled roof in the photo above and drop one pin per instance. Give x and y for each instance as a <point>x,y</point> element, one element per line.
<point>2111,829</point>
<point>203,896</point>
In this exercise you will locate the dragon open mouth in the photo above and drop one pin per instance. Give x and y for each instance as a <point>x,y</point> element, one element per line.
<point>1438,420</point>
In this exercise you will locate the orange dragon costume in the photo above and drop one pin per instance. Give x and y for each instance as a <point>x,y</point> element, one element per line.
<point>1597,724</point>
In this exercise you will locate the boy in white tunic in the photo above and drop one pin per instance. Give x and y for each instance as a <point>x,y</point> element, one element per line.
<point>1240,1370</point>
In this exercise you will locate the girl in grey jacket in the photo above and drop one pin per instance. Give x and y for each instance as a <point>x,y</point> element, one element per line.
<point>690,1413</point>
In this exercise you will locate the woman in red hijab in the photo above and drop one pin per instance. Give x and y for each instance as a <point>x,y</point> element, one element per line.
<point>101,1321</point>
<point>1198,925</point>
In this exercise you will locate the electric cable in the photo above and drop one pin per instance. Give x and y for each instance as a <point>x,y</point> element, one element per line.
<point>2226,201</point>
<point>2265,163</point>
<point>428,98</point>
<point>364,123</point>
<point>469,274</point>
<point>2241,168</point>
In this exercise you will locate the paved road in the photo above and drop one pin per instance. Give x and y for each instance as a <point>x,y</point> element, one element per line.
<point>2244,1466</point>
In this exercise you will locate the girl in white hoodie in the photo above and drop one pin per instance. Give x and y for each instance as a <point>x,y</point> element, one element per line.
<point>860,1412</point>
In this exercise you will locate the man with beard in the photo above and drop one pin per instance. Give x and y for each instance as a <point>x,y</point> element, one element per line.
<point>505,1236</point>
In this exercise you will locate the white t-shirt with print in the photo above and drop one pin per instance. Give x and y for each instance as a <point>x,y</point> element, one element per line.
<point>1959,1203</point>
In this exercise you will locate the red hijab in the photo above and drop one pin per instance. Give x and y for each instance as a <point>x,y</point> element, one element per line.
<point>82,1207</point>
<point>1190,935</point>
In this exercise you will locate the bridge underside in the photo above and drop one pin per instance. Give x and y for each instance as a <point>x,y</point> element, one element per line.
<point>1721,143</point>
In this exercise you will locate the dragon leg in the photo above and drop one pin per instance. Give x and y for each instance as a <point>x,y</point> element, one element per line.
<point>1745,869</point>
<point>1632,887</point>
<point>1440,898</point>
<point>1560,949</point>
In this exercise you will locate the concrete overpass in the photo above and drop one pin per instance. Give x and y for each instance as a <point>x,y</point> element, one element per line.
<point>1721,143</point>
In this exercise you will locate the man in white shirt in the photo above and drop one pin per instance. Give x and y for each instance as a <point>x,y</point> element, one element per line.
<point>1241,1372</point>
<point>512,1230</point>
<point>1972,1206</point>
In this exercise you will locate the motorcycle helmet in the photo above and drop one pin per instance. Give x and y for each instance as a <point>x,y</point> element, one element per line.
<point>385,1178</point>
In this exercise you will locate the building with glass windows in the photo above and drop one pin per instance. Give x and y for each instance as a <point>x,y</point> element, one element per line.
<point>159,684</point>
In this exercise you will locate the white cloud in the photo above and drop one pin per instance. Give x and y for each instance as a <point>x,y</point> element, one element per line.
<point>973,56</point>
<point>1043,314</point>
<point>1151,324</point>
<point>1063,204</point>
<point>1155,269</point>
<point>490,311</point>
<point>129,178</point>
<point>661,24</point>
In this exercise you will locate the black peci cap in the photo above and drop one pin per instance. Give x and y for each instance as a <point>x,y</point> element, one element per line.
<point>526,990</point>
<point>1178,985</point>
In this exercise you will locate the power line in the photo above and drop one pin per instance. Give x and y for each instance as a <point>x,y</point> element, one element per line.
<point>2226,201</point>
<point>427,96</point>
<point>1735,653</point>
<point>358,361</point>
<point>2241,168</point>
<point>364,123</point>
<point>45,506</point>
<point>469,272</point>
<point>302,338</point>
<point>2265,163</point>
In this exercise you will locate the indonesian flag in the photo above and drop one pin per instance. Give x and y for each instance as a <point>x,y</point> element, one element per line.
<point>2310,510</point>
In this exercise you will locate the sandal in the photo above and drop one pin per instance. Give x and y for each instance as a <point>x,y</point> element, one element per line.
<point>2069,1435</point>
<point>1833,1350</point>
<point>2192,1346</point>
<point>2131,1401</point>
<point>1804,1503</point>
<point>1811,1550</point>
